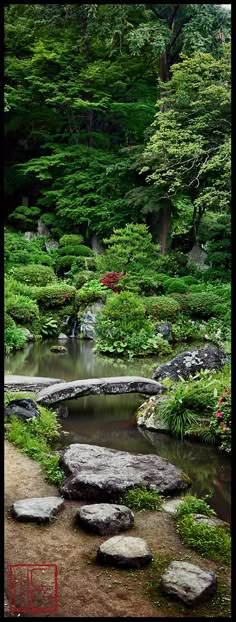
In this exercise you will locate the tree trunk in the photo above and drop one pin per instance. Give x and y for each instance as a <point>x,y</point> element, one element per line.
<point>165,212</point>
<point>165,219</point>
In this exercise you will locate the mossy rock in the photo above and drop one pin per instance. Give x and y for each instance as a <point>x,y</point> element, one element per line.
<point>58,349</point>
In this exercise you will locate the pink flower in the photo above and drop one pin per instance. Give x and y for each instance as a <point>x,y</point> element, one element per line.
<point>219,415</point>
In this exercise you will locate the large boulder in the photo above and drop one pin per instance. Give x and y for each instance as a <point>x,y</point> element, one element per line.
<point>105,518</point>
<point>24,408</point>
<point>102,474</point>
<point>87,319</point>
<point>190,362</point>
<point>147,414</point>
<point>37,509</point>
<point>188,583</point>
<point>125,551</point>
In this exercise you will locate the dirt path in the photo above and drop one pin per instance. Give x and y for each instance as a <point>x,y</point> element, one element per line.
<point>85,589</point>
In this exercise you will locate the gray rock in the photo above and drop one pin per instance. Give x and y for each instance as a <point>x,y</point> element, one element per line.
<point>148,417</point>
<point>51,245</point>
<point>30,235</point>
<point>188,583</point>
<point>99,386</point>
<point>24,408</point>
<point>37,509</point>
<point>198,256</point>
<point>102,474</point>
<point>28,334</point>
<point>105,518</point>
<point>42,229</point>
<point>210,521</point>
<point>164,329</point>
<point>171,505</point>
<point>28,383</point>
<point>88,319</point>
<point>125,551</point>
<point>190,362</point>
<point>62,336</point>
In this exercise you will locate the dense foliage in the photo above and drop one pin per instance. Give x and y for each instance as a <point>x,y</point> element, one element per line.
<point>118,142</point>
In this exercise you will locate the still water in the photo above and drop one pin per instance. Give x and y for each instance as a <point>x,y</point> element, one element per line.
<point>109,420</point>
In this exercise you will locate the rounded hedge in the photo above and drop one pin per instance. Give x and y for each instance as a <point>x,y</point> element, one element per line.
<point>68,261</point>
<point>78,250</point>
<point>34,274</point>
<point>22,309</point>
<point>71,239</point>
<point>190,280</point>
<point>161,307</point>
<point>201,304</point>
<point>175,285</point>
<point>55,295</point>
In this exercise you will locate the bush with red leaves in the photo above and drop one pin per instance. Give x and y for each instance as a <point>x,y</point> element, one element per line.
<point>110,279</point>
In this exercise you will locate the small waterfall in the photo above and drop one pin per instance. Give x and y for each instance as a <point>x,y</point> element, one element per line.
<point>74,329</point>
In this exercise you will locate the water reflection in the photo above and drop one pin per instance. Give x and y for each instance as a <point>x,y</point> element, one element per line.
<point>109,420</point>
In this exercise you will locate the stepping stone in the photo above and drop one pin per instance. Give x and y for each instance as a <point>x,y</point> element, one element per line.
<point>210,521</point>
<point>37,509</point>
<point>105,518</point>
<point>101,474</point>
<point>171,505</point>
<point>188,583</point>
<point>125,552</point>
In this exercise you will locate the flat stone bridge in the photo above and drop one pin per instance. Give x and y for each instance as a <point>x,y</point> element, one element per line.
<point>55,390</point>
<point>98,386</point>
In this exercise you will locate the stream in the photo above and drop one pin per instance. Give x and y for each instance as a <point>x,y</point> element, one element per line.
<point>109,420</point>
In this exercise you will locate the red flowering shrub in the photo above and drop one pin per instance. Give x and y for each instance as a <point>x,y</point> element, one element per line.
<point>221,422</point>
<point>110,279</point>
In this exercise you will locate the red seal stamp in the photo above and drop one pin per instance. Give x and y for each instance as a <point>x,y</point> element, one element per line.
<point>33,588</point>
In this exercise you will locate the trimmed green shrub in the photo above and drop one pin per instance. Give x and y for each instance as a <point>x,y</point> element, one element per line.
<point>25,217</point>
<point>66,263</point>
<point>21,309</point>
<point>78,251</point>
<point>180,299</point>
<point>34,274</point>
<point>189,279</point>
<point>175,285</point>
<point>91,291</point>
<point>71,239</point>
<point>201,304</point>
<point>161,307</point>
<point>8,321</point>
<point>55,295</point>
<point>18,251</point>
<point>80,278</point>
<point>14,338</point>
<point>121,328</point>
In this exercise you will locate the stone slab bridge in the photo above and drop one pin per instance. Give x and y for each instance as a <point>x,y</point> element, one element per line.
<point>55,390</point>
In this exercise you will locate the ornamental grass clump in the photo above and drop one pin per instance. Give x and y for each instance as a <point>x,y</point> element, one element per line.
<point>140,498</point>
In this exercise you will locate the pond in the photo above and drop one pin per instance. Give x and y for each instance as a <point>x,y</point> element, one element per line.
<point>109,420</point>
